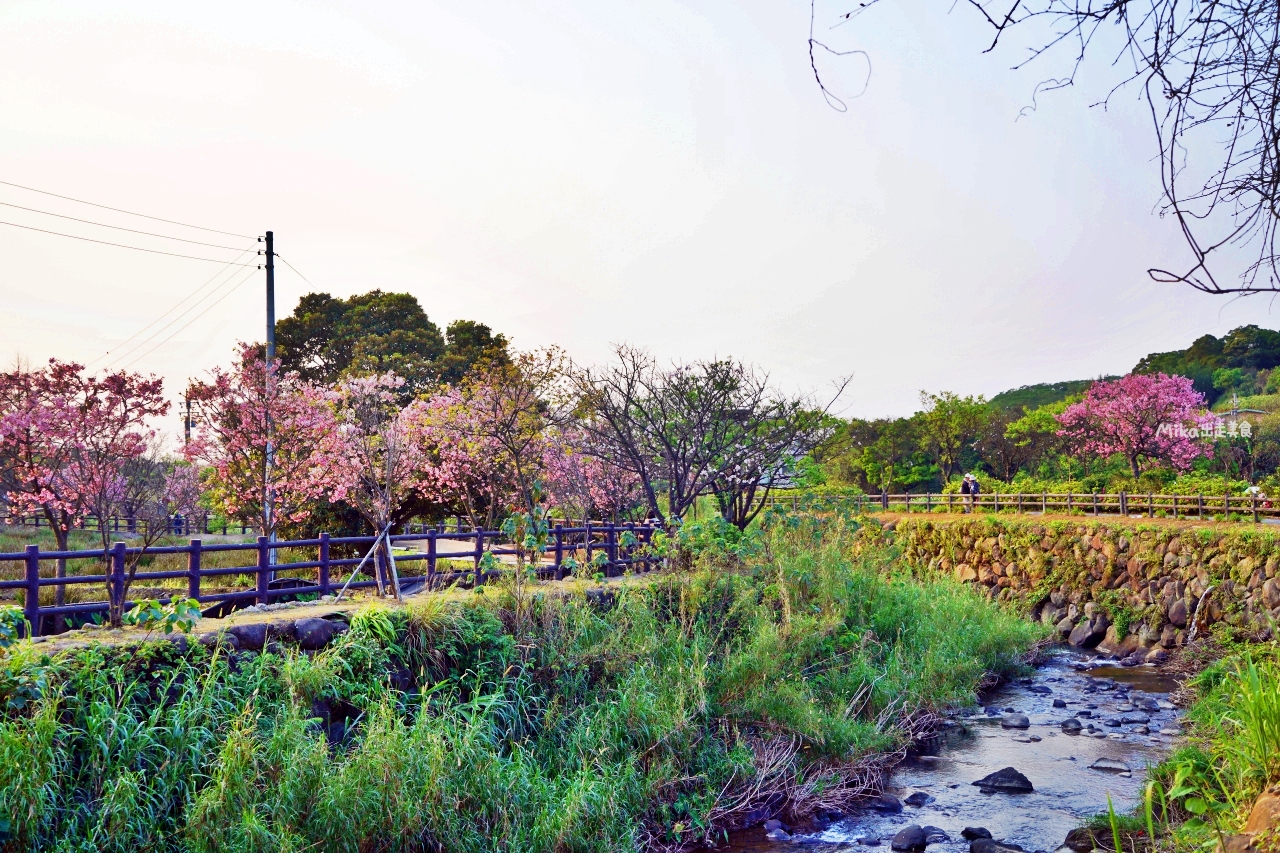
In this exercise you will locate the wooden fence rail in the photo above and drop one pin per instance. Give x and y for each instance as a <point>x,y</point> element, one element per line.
<point>265,579</point>
<point>1145,505</point>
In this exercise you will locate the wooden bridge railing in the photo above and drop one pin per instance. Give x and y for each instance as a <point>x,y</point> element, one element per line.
<point>268,574</point>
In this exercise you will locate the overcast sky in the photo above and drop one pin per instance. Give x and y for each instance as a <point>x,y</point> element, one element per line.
<point>584,173</point>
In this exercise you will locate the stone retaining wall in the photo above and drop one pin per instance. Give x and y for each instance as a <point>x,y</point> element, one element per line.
<point>1132,589</point>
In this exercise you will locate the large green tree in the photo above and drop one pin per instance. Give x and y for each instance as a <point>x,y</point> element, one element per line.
<point>951,424</point>
<point>374,332</point>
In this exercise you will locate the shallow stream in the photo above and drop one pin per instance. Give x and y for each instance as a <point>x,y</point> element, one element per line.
<point>1133,725</point>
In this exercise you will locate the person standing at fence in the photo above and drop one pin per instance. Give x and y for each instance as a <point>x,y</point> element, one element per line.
<point>975,489</point>
<point>966,489</point>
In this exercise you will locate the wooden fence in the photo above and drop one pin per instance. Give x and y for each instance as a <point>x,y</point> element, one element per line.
<point>268,580</point>
<point>1149,505</point>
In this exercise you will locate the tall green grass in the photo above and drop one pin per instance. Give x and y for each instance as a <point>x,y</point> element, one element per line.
<point>459,727</point>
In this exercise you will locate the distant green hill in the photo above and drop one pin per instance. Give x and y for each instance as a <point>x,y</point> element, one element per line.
<point>1249,348</point>
<point>1033,396</point>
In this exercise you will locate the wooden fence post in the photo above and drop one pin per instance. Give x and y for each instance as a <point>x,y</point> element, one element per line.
<point>1200,506</point>
<point>1151,507</point>
<point>325,588</point>
<point>586,523</point>
<point>479,554</point>
<point>116,580</point>
<point>1095,503</point>
<point>31,608</point>
<point>1175,506</point>
<point>558,565</point>
<point>1254,496</point>
<point>264,569</point>
<point>431,558</point>
<point>193,570</point>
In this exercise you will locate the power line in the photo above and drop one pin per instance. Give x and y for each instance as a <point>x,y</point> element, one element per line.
<point>162,329</point>
<point>117,227</point>
<point>189,322</point>
<point>118,245</point>
<point>171,309</point>
<point>295,269</point>
<point>129,212</point>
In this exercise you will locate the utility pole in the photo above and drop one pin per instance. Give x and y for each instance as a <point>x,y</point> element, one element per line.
<point>268,498</point>
<point>271,298</point>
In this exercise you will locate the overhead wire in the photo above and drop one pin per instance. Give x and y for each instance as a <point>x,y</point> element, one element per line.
<point>118,245</point>
<point>117,227</point>
<point>142,343</point>
<point>183,327</point>
<point>295,269</point>
<point>174,307</point>
<point>128,212</point>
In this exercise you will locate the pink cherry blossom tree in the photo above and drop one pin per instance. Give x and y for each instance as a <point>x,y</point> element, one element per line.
<point>1142,417</point>
<point>372,453</point>
<point>65,436</point>
<point>243,413</point>
<point>460,464</point>
<point>581,483</point>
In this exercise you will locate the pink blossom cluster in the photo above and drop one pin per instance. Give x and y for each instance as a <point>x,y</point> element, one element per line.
<point>65,436</point>
<point>1142,417</point>
<point>582,483</point>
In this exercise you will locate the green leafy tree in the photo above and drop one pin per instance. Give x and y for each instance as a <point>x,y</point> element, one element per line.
<point>468,344</point>
<point>950,423</point>
<point>326,338</point>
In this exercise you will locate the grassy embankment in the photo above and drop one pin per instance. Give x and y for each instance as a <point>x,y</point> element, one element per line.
<point>781,674</point>
<point>1203,793</point>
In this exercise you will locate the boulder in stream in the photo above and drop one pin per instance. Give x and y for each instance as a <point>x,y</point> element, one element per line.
<point>1110,765</point>
<point>910,839</point>
<point>973,833</point>
<point>988,845</point>
<point>1006,781</point>
<point>1015,721</point>
<point>919,798</point>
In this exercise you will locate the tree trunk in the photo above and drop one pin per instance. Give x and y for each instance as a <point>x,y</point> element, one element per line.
<point>1133,465</point>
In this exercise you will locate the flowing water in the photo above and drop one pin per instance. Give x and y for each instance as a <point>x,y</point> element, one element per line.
<point>1134,725</point>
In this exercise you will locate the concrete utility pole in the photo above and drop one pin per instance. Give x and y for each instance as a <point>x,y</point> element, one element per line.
<point>268,498</point>
<point>271,297</point>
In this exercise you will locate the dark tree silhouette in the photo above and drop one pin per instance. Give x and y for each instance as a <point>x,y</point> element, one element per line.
<point>1210,75</point>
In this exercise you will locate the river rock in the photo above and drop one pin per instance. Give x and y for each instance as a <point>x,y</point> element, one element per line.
<point>1110,765</point>
<point>773,823</point>
<point>973,833</point>
<point>1090,632</point>
<point>778,835</point>
<point>314,633</point>
<point>252,636</point>
<point>919,798</point>
<point>1157,655</point>
<point>1178,613</point>
<point>1148,704</point>
<point>868,841</point>
<point>1040,688</point>
<point>1006,781</point>
<point>1072,726</point>
<point>987,845</point>
<point>1264,816</point>
<point>910,839</point>
<point>886,804</point>
<point>1135,719</point>
<point>1015,721</point>
<point>934,835</point>
<point>1059,703</point>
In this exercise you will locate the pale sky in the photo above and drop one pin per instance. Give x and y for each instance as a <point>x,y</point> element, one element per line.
<point>582,173</point>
